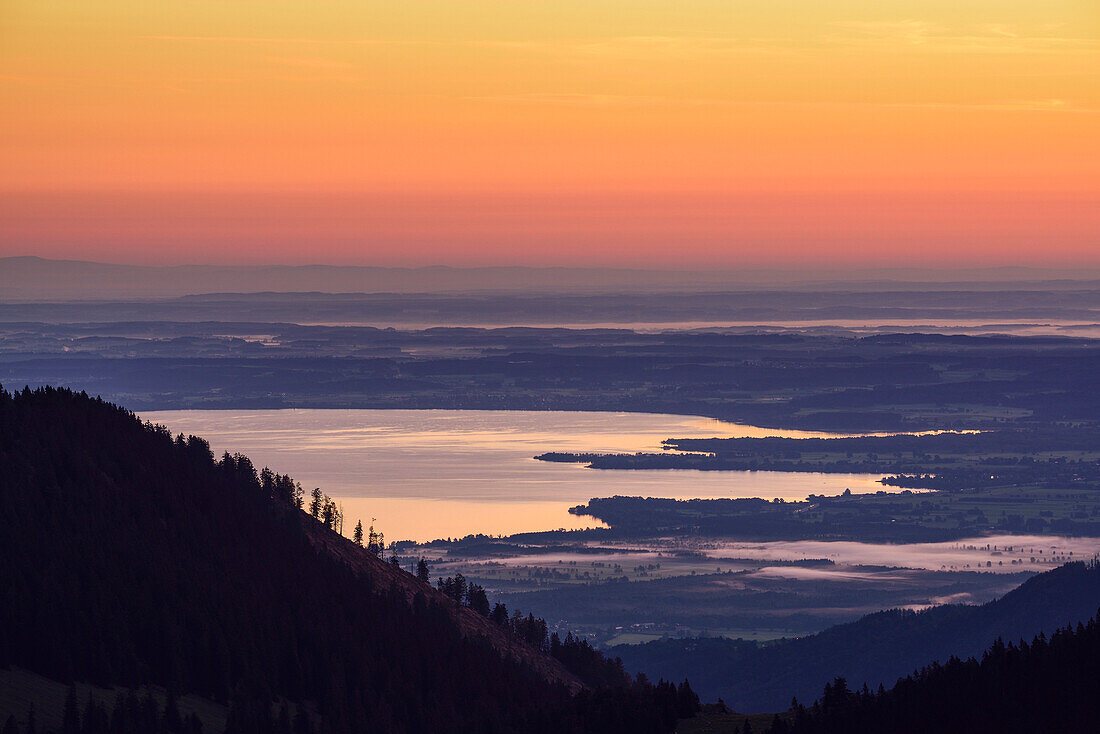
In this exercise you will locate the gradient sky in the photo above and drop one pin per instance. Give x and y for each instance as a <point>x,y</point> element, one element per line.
<point>644,133</point>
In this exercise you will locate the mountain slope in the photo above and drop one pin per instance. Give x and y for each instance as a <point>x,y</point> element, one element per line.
<point>130,558</point>
<point>470,624</point>
<point>877,649</point>
<point>1050,685</point>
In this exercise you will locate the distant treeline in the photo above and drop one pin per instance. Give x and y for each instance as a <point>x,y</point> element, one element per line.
<point>1065,457</point>
<point>986,443</point>
<point>881,517</point>
<point>893,382</point>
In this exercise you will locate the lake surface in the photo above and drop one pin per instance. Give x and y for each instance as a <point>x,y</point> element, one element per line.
<point>428,474</point>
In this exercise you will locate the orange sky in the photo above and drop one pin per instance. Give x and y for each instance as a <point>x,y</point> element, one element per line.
<point>644,133</point>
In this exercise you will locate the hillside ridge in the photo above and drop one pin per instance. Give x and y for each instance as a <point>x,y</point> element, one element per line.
<point>472,623</point>
<point>876,649</point>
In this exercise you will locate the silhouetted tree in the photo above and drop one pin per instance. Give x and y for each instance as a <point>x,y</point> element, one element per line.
<point>283,725</point>
<point>96,720</point>
<point>302,724</point>
<point>687,702</point>
<point>70,720</point>
<point>477,600</point>
<point>173,722</point>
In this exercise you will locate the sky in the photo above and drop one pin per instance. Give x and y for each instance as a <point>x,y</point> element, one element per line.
<point>636,133</point>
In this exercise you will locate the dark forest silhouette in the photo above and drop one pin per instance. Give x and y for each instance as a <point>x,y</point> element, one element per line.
<point>131,557</point>
<point>1048,685</point>
<point>877,649</point>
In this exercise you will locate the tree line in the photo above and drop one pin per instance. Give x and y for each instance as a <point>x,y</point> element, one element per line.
<point>131,714</point>
<point>1049,685</point>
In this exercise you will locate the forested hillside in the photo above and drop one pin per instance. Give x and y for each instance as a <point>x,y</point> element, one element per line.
<point>1050,685</point>
<point>877,649</point>
<point>129,557</point>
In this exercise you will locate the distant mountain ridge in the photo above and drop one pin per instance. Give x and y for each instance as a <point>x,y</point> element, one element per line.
<point>31,278</point>
<point>877,649</point>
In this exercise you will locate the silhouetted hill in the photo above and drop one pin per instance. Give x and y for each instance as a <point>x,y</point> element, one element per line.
<point>1050,685</point>
<point>877,649</point>
<point>131,558</point>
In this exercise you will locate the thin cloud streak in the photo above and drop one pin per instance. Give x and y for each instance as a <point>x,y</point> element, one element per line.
<point>608,100</point>
<point>297,41</point>
<point>994,38</point>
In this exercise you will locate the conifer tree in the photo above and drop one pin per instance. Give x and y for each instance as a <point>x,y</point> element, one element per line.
<point>283,724</point>
<point>302,724</point>
<point>477,600</point>
<point>173,722</point>
<point>70,721</point>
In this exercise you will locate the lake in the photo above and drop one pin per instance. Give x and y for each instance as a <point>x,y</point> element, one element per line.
<point>428,474</point>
